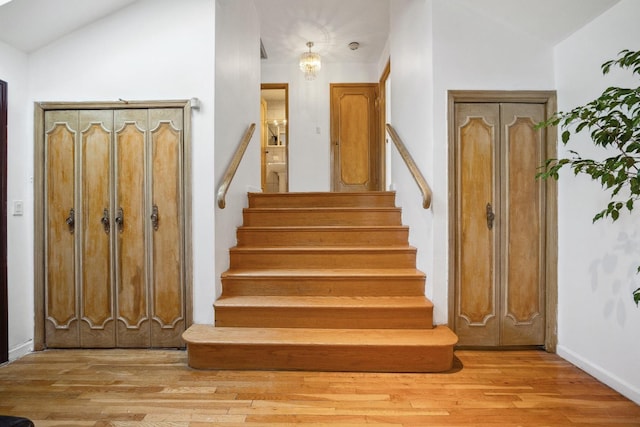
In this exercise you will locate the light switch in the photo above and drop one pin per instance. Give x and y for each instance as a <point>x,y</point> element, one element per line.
<point>18,208</point>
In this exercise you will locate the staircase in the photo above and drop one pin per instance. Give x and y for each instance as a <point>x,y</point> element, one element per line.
<point>322,281</point>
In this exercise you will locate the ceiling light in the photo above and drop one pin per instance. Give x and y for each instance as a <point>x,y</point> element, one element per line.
<point>310,63</point>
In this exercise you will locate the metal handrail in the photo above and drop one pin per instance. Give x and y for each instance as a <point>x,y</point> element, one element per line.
<point>413,168</point>
<point>233,166</point>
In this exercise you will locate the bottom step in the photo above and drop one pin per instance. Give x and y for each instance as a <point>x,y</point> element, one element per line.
<point>352,350</point>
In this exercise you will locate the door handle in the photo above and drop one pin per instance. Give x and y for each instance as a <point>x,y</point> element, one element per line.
<point>120,220</point>
<point>490,216</point>
<point>155,217</point>
<point>71,220</point>
<point>105,221</point>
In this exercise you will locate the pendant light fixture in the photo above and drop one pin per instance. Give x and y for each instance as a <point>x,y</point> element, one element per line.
<point>310,63</point>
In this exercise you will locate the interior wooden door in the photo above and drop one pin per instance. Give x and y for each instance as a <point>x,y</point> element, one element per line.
<point>165,228</point>
<point>355,146</point>
<point>132,272</point>
<point>93,229</point>
<point>499,265</point>
<point>61,296</point>
<point>114,221</point>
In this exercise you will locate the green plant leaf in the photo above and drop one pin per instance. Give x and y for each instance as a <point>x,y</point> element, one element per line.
<point>613,123</point>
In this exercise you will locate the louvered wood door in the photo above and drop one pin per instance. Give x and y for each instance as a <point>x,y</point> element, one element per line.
<point>114,246</point>
<point>355,148</point>
<point>500,229</point>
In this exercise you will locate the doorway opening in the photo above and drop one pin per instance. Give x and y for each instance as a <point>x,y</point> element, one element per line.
<point>274,137</point>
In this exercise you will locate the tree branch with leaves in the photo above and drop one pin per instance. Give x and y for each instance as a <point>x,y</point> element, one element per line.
<point>613,120</point>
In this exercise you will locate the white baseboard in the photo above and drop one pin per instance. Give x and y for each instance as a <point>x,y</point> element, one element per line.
<point>618,384</point>
<point>17,352</point>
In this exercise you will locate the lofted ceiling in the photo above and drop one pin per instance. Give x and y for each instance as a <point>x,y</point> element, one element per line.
<point>286,25</point>
<point>29,25</point>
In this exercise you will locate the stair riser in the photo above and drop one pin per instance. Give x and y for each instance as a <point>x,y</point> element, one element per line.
<point>279,237</point>
<point>324,287</point>
<point>329,259</point>
<point>321,358</point>
<point>302,200</point>
<point>333,318</point>
<point>321,218</point>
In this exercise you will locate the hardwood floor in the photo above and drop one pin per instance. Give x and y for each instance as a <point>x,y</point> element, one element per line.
<point>156,388</point>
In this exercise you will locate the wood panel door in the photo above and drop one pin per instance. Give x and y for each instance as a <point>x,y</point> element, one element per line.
<point>114,247</point>
<point>500,225</point>
<point>355,145</point>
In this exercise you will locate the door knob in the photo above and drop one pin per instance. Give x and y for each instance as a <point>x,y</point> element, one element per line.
<point>490,216</point>
<point>120,220</point>
<point>105,221</point>
<point>155,217</point>
<point>71,220</point>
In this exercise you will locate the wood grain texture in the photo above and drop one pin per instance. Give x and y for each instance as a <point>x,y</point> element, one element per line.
<point>132,293</point>
<point>477,296</point>
<point>97,311</point>
<point>326,283</point>
<point>167,284</point>
<point>372,199</point>
<point>500,281</point>
<point>523,257</point>
<point>61,312</point>
<point>355,146</point>
<point>141,388</point>
<point>320,216</point>
<point>412,312</point>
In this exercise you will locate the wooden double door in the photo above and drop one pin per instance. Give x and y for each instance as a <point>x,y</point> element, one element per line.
<point>114,247</point>
<point>500,224</point>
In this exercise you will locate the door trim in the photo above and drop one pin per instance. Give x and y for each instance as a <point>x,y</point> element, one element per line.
<point>548,98</point>
<point>39,218</point>
<point>382,112</point>
<point>4,285</point>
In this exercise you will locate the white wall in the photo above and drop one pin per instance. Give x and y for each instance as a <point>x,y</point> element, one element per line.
<point>309,124</point>
<point>13,70</point>
<point>597,321</point>
<point>436,46</point>
<point>151,50</point>
<point>237,82</point>
<point>411,107</point>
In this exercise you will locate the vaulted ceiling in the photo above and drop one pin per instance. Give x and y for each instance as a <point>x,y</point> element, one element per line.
<point>286,25</point>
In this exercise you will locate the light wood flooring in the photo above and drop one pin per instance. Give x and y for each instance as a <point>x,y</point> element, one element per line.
<point>157,388</point>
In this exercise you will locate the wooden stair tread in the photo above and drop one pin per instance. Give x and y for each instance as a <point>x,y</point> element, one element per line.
<point>324,282</point>
<point>304,209</point>
<point>324,301</point>
<point>311,249</point>
<point>367,198</point>
<point>321,228</point>
<point>203,334</point>
<point>338,273</point>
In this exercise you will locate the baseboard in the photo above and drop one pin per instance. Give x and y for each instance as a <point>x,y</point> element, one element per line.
<point>618,384</point>
<point>21,350</point>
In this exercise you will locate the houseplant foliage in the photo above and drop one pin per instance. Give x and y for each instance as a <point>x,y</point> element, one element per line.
<point>613,120</point>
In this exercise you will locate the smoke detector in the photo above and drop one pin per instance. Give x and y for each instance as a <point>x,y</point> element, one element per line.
<point>354,45</point>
